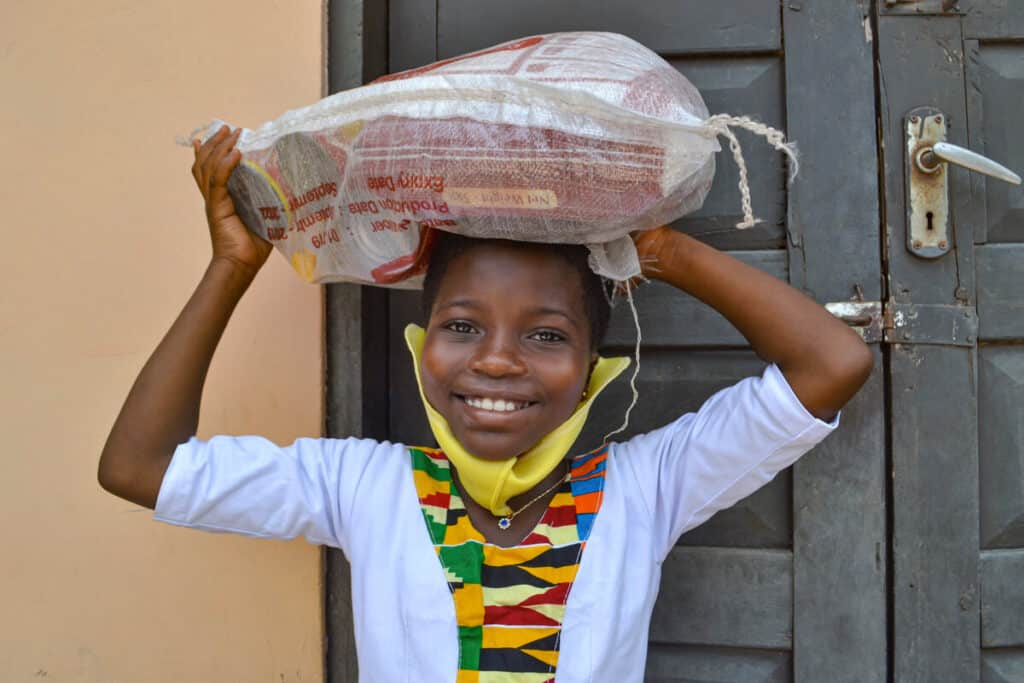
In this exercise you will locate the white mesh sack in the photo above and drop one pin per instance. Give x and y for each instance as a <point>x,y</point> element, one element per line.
<point>579,137</point>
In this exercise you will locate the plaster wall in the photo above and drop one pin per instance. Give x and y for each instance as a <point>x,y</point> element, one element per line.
<point>104,239</point>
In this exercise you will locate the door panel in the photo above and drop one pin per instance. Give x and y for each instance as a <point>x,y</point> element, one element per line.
<point>1003,666</point>
<point>672,663</point>
<point>1000,308</point>
<point>997,71</point>
<point>669,27</point>
<point>995,91</point>
<point>691,323</point>
<point>1001,625</point>
<point>993,20</point>
<point>1001,449</point>
<point>737,598</point>
<point>753,85</point>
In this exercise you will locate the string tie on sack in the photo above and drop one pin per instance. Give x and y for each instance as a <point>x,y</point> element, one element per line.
<point>720,124</point>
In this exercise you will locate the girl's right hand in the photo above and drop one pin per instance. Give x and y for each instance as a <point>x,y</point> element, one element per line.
<point>231,240</point>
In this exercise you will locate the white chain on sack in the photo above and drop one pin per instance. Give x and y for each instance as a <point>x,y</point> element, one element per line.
<point>719,125</point>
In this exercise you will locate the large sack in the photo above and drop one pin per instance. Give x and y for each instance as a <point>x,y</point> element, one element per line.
<point>569,137</point>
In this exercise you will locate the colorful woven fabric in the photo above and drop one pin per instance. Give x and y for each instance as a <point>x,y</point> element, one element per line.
<point>509,602</point>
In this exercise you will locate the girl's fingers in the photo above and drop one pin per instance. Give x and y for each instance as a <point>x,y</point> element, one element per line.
<point>195,164</point>
<point>207,155</point>
<point>216,157</point>
<point>204,152</point>
<point>223,170</point>
<point>215,202</point>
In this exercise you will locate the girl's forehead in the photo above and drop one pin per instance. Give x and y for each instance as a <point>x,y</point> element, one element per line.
<point>512,274</point>
<point>530,265</point>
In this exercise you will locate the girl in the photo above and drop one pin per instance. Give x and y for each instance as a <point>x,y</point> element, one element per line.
<point>497,556</point>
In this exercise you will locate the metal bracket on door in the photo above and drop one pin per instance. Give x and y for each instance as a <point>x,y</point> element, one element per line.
<point>904,323</point>
<point>930,324</point>
<point>865,317</point>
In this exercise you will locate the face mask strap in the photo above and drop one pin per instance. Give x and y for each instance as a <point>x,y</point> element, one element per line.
<point>636,366</point>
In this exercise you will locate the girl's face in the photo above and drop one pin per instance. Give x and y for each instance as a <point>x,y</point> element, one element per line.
<point>507,352</point>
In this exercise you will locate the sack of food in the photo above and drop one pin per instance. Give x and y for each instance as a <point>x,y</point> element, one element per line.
<point>579,137</point>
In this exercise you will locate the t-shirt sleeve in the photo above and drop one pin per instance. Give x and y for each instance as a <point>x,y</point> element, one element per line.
<point>706,461</point>
<point>248,485</point>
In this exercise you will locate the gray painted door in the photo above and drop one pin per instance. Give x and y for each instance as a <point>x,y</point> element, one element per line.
<point>894,551</point>
<point>789,584</point>
<point>957,416</point>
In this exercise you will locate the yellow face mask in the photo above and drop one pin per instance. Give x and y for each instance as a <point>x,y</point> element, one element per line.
<point>493,483</point>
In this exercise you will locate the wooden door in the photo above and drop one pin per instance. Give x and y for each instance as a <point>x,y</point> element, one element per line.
<point>957,390</point>
<point>895,551</point>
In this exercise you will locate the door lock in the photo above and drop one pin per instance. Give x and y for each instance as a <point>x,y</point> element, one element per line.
<point>927,180</point>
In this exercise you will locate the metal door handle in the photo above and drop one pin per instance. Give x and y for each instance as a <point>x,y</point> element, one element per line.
<point>929,160</point>
<point>926,171</point>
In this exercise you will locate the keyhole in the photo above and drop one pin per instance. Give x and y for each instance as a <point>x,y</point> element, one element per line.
<point>929,215</point>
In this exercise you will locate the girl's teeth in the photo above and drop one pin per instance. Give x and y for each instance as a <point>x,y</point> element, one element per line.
<point>497,405</point>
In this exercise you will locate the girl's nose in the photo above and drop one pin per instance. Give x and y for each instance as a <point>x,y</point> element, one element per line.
<point>498,357</point>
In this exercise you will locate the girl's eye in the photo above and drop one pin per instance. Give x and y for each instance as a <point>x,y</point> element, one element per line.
<point>548,336</point>
<point>460,327</point>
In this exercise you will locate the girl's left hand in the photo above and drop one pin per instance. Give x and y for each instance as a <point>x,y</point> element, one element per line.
<point>649,244</point>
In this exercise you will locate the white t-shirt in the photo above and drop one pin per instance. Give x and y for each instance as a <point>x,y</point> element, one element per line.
<point>359,495</point>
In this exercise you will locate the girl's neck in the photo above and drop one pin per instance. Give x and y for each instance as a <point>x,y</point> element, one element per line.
<point>523,523</point>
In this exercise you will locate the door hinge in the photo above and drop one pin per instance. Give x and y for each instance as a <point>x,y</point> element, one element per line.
<point>907,323</point>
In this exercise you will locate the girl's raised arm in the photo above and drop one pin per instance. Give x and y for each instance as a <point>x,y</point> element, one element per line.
<point>162,408</point>
<point>824,361</point>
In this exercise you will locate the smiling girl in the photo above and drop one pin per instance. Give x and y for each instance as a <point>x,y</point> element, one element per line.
<point>500,555</point>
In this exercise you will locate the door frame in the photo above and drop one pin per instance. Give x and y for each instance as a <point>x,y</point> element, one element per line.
<point>355,392</point>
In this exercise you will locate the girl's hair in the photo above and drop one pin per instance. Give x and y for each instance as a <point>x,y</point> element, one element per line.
<point>596,291</point>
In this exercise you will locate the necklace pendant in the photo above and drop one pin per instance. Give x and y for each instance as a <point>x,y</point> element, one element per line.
<point>504,523</point>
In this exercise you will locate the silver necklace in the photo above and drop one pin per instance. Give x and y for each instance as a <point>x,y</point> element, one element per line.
<point>506,521</point>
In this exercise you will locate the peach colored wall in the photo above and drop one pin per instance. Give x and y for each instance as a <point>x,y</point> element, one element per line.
<point>104,238</point>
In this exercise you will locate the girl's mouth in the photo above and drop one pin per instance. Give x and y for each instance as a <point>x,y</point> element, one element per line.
<point>498,405</point>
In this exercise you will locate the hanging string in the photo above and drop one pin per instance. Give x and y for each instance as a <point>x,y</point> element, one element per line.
<point>720,125</point>
<point>636,364</point>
